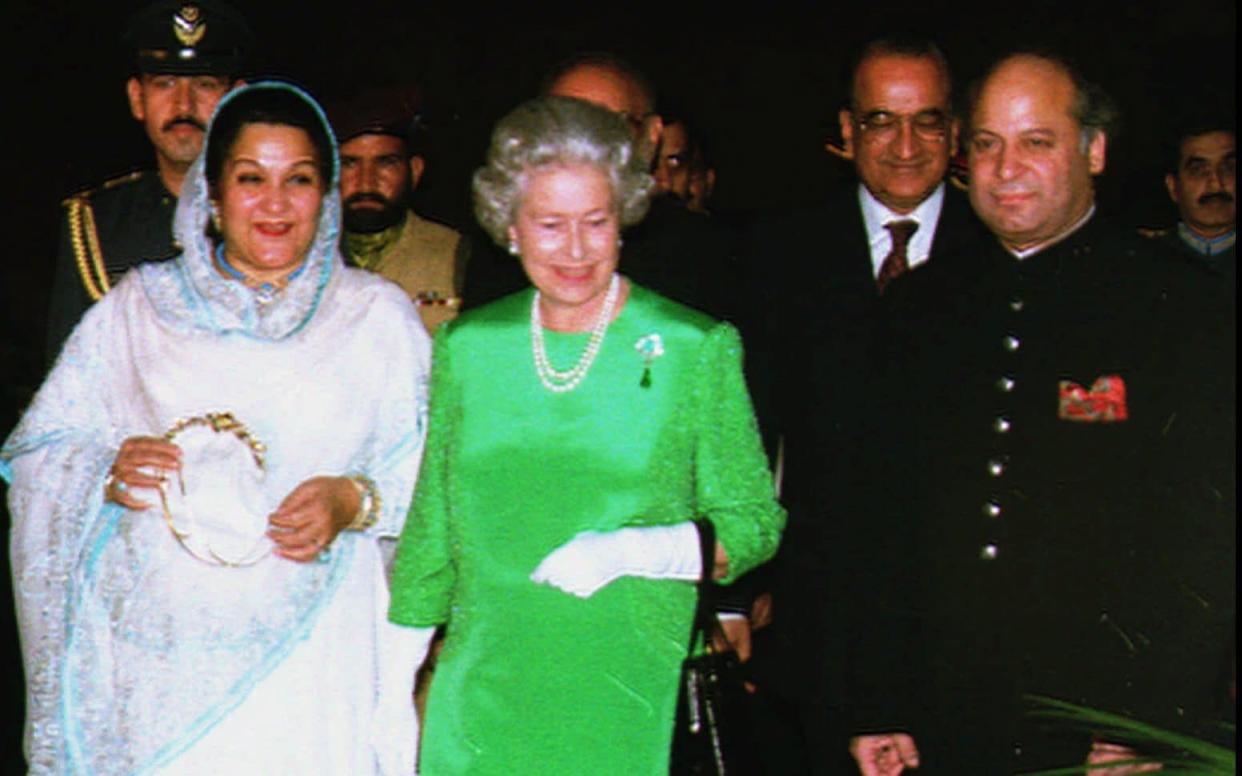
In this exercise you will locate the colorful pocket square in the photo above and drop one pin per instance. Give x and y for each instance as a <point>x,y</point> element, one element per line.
<point>1104,403</point>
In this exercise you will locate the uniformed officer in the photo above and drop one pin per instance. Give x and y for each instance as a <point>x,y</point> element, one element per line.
<point>382,141</point>
<point>184,57</point>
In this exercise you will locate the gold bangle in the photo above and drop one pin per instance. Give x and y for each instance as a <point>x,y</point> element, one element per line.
<point>368,503</point>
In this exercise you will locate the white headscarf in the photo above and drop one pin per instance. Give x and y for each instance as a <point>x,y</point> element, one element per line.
<point>191,293</point>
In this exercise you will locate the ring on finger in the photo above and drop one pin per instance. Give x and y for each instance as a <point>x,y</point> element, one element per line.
<point>113,485</point>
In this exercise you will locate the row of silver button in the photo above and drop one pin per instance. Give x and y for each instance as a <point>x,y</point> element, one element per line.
<point>1001,425</point>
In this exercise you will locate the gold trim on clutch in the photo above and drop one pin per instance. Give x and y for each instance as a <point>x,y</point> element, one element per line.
<point>218,422</point>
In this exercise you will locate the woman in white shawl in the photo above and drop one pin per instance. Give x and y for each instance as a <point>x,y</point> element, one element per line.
<point>203,488</point>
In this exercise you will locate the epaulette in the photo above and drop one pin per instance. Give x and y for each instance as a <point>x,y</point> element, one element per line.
<point>84,237</point>
<point>111,183</point>
<point>1154,232</point>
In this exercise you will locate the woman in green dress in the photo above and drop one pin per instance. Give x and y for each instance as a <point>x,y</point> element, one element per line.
<point>577,430</point>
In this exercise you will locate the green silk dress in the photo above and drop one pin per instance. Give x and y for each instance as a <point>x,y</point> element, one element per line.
<point>533,680</point>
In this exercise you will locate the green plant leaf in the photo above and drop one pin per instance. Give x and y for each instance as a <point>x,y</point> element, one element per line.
<point>1177,753</point>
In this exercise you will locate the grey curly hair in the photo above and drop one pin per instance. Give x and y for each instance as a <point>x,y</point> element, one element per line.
<point>551,131</point>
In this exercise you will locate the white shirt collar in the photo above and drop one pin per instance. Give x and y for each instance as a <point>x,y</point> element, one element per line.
<point>876,214</point>
<point>1022,254</point>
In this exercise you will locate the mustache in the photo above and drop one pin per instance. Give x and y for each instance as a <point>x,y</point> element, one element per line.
<point>187,120</point>
<point>368,196</point>
<point>1222,197</point>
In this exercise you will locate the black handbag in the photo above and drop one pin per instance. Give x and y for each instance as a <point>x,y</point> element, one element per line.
<point>711,690</point>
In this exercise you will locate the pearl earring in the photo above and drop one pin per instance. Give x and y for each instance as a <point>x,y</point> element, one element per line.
<point>215,218</point>
<point>513,247</point>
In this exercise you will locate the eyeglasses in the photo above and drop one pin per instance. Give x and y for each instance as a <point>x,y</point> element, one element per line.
<point>930,125</point>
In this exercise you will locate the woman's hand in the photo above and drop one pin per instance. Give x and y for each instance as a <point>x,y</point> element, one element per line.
<point>312,515</point>
<point>592,559</point>
<point>142,462</point>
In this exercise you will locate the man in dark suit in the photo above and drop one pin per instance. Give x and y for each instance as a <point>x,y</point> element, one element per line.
<point>831,271</point>
<point>1053,485</point>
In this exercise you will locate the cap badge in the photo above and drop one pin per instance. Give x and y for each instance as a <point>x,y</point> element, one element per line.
<point>188,24</point>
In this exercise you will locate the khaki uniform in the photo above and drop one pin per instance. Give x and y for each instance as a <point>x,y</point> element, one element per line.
<point>428,260</point>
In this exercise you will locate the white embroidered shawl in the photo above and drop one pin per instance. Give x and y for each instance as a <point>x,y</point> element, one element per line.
<point>133,649</point>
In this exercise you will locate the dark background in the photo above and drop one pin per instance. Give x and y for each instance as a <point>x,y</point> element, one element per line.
<point>763,81</point>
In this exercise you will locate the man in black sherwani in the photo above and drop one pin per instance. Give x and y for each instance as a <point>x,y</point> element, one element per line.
<point>1057,473</point>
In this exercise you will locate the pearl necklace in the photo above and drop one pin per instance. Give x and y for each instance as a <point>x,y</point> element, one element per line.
<point>563,382</point>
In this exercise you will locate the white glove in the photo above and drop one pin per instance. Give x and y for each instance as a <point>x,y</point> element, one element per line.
<point>395,734</point>
<point>592,559</point>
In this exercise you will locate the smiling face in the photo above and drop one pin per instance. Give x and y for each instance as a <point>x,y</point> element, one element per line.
<point>899,129</point>
<point>268,199</point>
<point>567,233</point>
<point>1030,178</point>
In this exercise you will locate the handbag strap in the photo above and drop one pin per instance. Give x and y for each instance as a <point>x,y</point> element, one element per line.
<point>704,616</point>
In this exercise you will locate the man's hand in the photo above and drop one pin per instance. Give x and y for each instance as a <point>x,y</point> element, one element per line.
<point>1103,752</point>
<point>885,754</point>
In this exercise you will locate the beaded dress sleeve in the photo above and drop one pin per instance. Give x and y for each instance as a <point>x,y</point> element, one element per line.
<point>733,487</point>
<point>423,571</point>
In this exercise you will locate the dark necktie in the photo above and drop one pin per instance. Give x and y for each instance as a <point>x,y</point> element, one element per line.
<point>895,262</point>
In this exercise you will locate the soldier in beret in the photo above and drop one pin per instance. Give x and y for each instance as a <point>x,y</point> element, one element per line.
<point>382,138</point>
<point>184,57</point>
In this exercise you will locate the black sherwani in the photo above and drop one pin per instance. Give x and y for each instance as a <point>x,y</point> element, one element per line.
<point>1051,554</point>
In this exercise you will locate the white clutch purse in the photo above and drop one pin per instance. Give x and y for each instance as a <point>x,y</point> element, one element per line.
<point>215,508</point>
